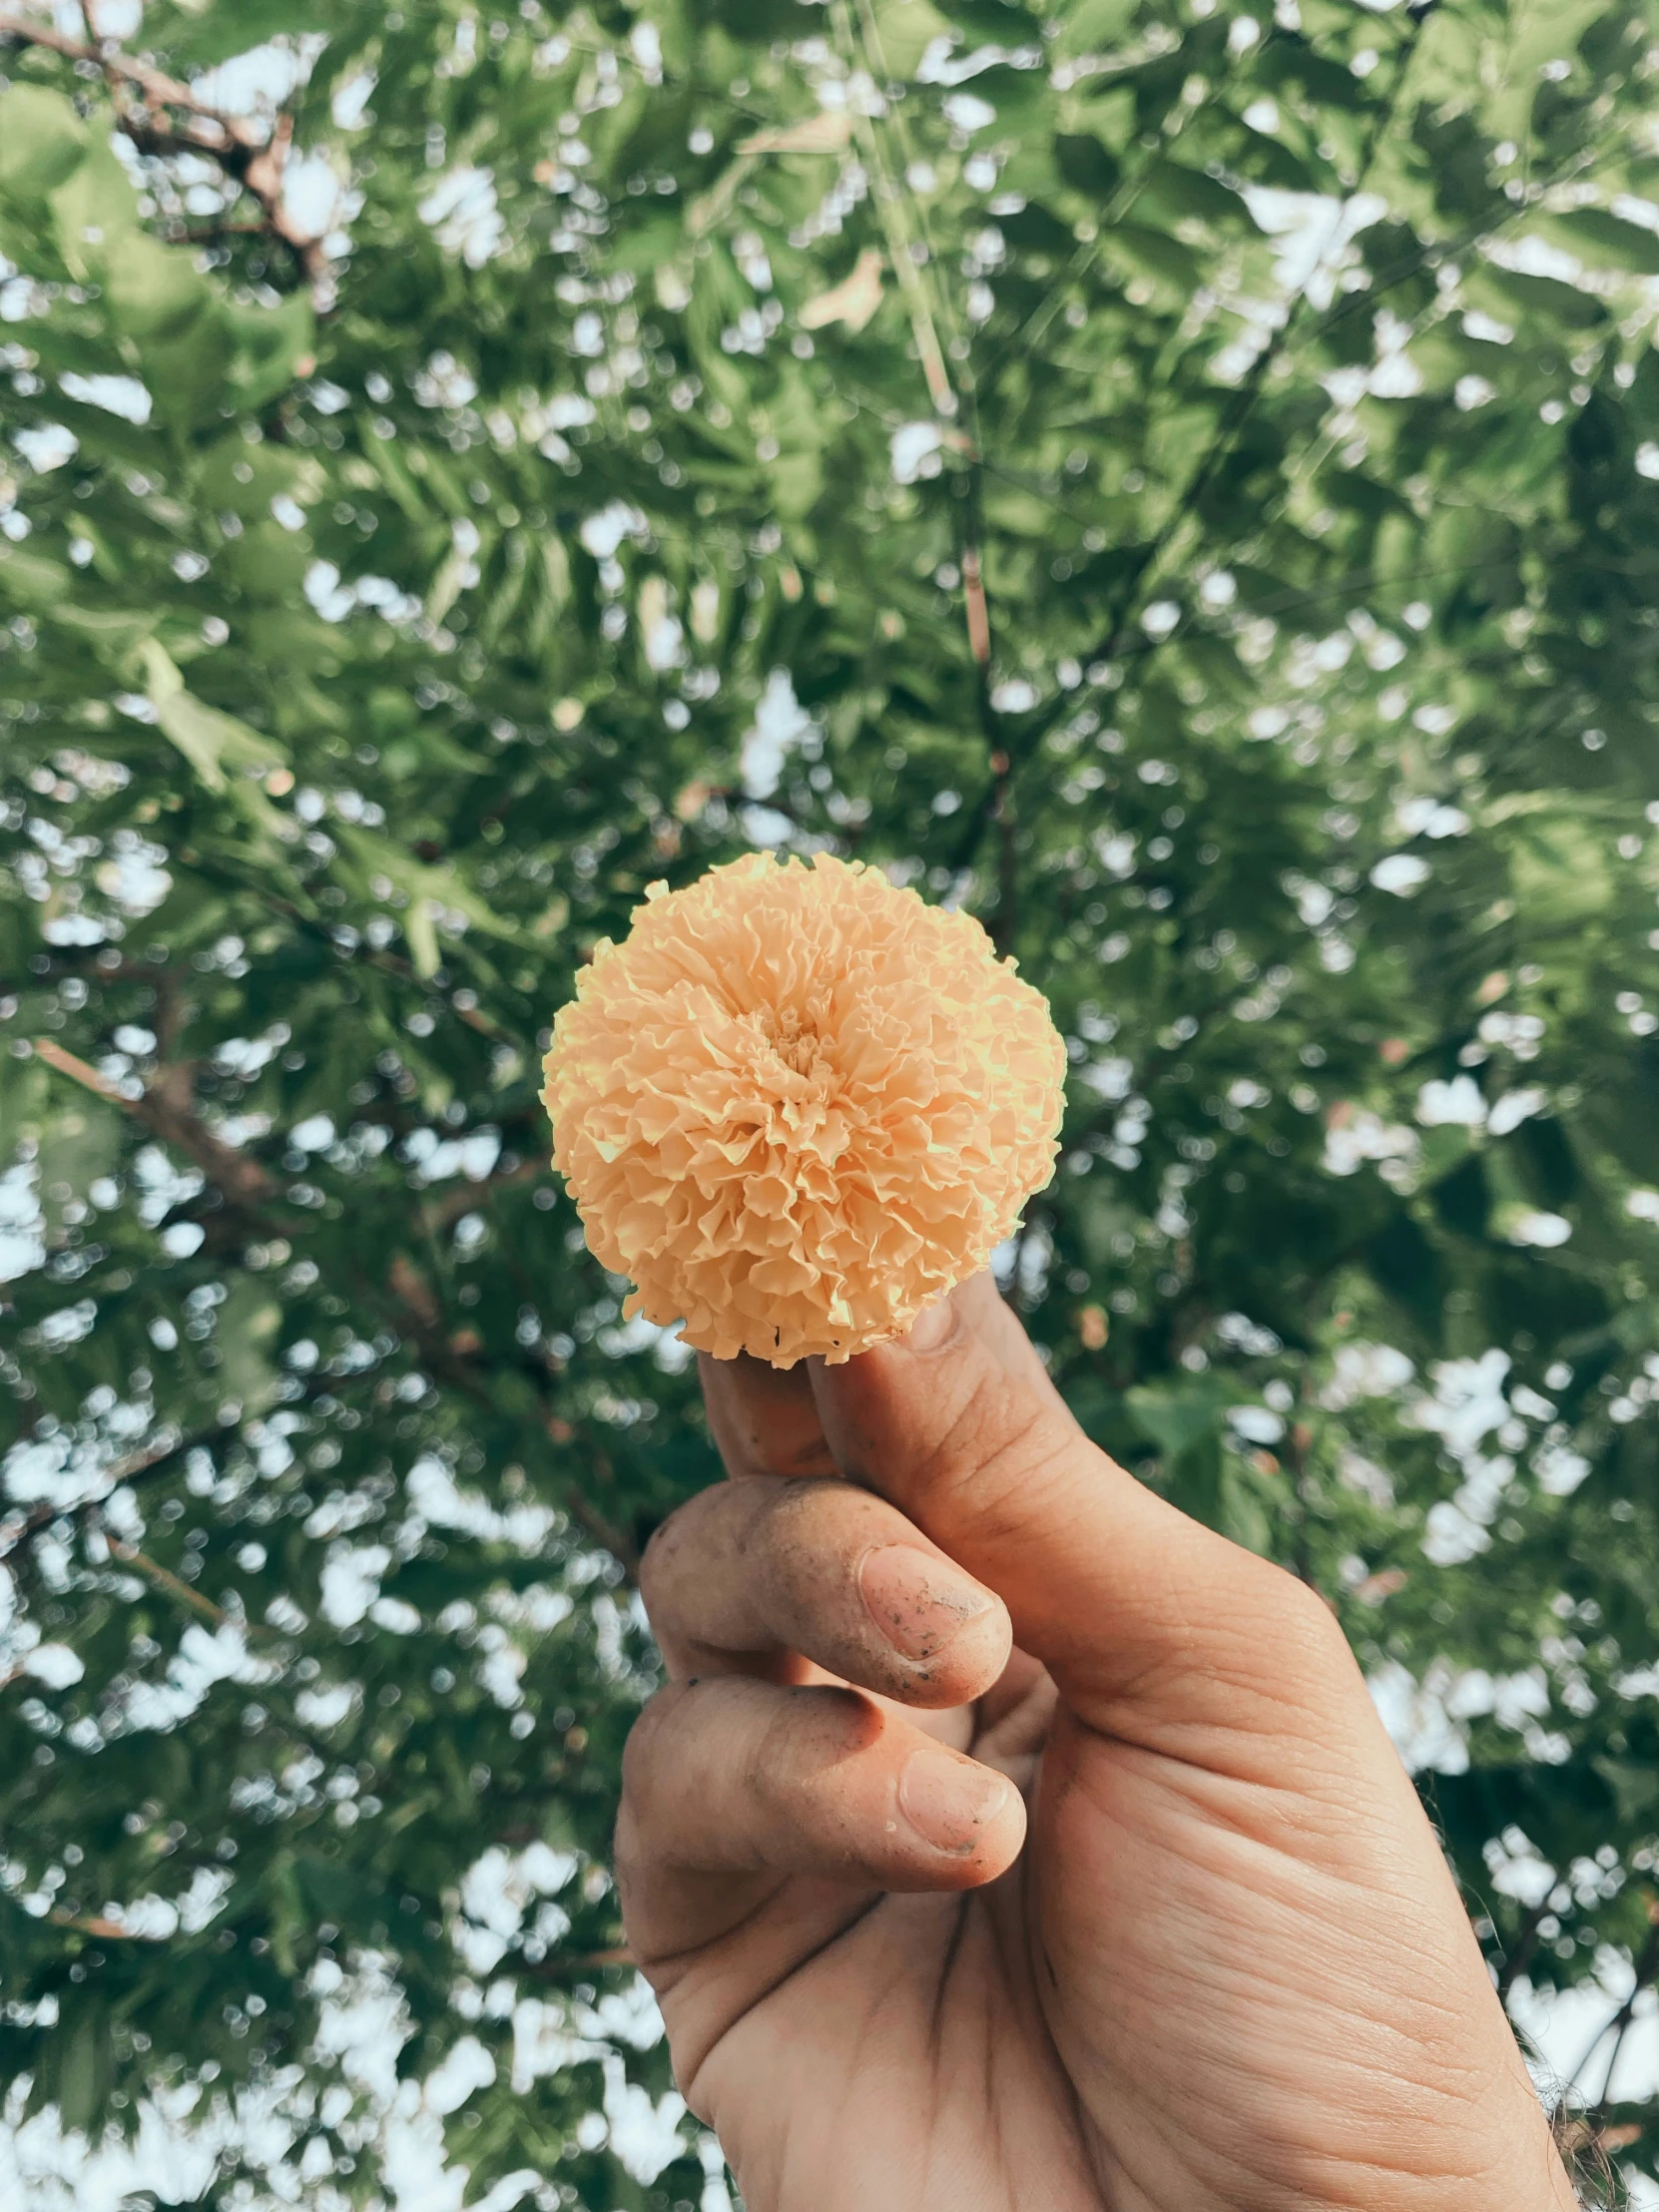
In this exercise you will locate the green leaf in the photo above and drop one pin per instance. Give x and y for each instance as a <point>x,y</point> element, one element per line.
<point>219,29</point>
<point>1179,1416</point>
<point>1086,164</point>
<point>42,141</point>
<point>215,744</point>
<point>1600,237</point>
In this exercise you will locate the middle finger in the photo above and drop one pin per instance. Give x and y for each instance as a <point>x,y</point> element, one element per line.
<point>750,1573</point>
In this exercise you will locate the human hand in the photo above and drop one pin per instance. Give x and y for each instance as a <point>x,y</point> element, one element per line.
<point>1005,1839</point>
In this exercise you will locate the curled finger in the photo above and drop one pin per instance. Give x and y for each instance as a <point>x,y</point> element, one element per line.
<point>747,1577</point>
<point>730,1784</point>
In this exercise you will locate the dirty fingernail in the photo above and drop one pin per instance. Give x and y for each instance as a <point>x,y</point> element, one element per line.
<point>918,1602</point>
<point>949,1801</point>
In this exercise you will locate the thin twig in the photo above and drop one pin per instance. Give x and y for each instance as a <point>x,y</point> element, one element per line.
<point>156,86</point>
<point>129,1469</point>
<point>253,162</point>
<point>138,1466</point>
<point>604,1532</point>
<point>893,201</point>
<point>78,1071</point>
<point>563,1964</point>
<point>92,1924</point>
<point>1646,1964</point>
<point>161,1109</point>
<point>889,204</point>
<point>389,963</point>
<point>168,1582</point>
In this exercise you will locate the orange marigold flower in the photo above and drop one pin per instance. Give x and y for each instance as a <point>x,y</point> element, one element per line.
<point>797,1103</point>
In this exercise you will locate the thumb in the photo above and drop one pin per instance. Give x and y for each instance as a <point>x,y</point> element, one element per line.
<point>1140,1614</point>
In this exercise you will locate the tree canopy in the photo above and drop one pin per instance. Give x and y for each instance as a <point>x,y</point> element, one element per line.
<point>1179,482</point>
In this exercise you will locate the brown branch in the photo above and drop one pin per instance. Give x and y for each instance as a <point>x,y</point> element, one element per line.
<point>1145,564</point>
<point>389,963</point>
<point>169,1583</point>
<point>415,1294</point>
<point>418,1312</point>
<point>139,1465</point>
<point>603,1531</point>
<point>212,233</point>
<point>1007,878</point>
<point>173,1010</point>
<point>902,247</point>
<point>92,1924</point>
<point>559,1968</point>
<point>135,1463</point>
<point>418,1315</point>
<point>78,1071</point>
<point>999,751</point>
<point>233,141</point>
<point>443,1213</point>
<point>1646,1964</point>
<point>164,1109</point>
<point>978,613</point>
<point>158,88</point>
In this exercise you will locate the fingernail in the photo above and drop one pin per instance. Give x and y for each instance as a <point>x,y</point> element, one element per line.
<point>949,1801</point>
<point>916,1601</point>
<point>931,1326</point>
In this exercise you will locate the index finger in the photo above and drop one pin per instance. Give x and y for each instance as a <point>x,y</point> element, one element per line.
<point>763,1420</point>
<point>766,1420</point>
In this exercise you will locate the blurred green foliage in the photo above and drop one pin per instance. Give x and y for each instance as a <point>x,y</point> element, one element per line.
<point>1179,482</point>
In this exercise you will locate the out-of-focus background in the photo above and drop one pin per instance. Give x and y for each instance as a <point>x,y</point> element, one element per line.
<point>1181,482</point>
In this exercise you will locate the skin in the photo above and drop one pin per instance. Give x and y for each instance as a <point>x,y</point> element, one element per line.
<point>1005,1839</point>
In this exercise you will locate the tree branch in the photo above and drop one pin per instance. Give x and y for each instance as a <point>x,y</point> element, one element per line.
<point>163,1110</point>
<point>253,162</point>
<point>169,1583</point>
<point>1147,560</point>
<point>444,1212</point>
<point>908,252</point>
<point>563,1965</point>
<point>417,1314</point>
<point>603,1531</point>
<point>905,265</point>
<point>129,1469</point>
<point>155,87</point>
<point>1645,1966</point>
<point>94,1925</point>
<point>156,1459</point>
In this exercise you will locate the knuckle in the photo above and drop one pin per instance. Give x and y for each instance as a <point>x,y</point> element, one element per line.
<point>997,1443</point>
<point>643,1753</point>
<point>1306,1638</point>
<point>656,1565</point>
<point>794,1512</point>
<point>1311,1630</point>
<point>809,1732</point>
<point>663,1563</point>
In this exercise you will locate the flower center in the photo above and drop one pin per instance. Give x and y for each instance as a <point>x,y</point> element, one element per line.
<point>798,1047</point>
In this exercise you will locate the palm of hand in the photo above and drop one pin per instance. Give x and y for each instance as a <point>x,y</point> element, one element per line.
<point>1227,1971</point>
<point>1061,2020</point>
<point>922,2016</point>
